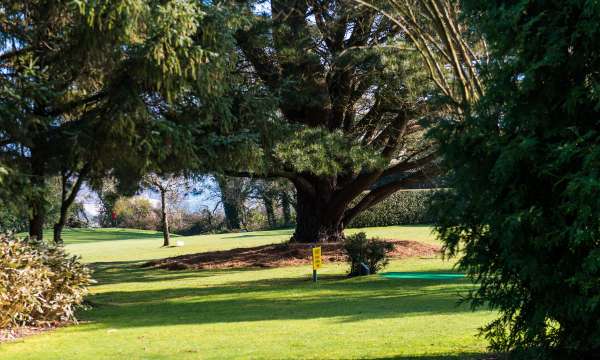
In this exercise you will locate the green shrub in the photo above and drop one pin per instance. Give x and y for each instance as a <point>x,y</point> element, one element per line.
<point>371,252</point>
<point>405,207</point>
<point>39,284</point>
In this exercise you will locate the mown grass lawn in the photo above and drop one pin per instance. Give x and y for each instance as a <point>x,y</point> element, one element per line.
<point>256,313</point>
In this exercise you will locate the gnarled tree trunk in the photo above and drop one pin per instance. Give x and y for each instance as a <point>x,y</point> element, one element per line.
<point>317,218</point>
<point>313,224</point>
<point>326,205</point>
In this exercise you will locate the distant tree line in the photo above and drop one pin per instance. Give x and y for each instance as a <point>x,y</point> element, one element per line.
<point>239,204</point>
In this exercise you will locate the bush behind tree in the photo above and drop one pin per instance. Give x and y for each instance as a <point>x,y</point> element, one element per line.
<point>406,207</point>
<point>136,213</point>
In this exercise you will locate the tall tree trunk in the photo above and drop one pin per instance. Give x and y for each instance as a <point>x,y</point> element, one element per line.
<point>165,219</point>
<point>270,210</point>
<point>36,221</point>
<point>316,220</point>
<point>58,228</point>
<point>60,224</point>
<point>285,206</point>
<point>232,215</point>
<point>230,197</point>
<point>67,199</point>
<point>37,209</point>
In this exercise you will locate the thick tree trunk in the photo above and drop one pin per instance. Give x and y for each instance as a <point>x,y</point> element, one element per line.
<point>58,228</point>
<point>165,220</point>
<point>232,215</point>
<point>316,221</point>
<point>230,197</point>
<point>324,204</point>
<point>36,222</point>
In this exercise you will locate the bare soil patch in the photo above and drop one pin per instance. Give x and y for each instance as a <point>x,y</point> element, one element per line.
<point>278,255</point>
<point>7,335</point>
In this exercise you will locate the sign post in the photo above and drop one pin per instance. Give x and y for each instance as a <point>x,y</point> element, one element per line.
<point>317,261</point>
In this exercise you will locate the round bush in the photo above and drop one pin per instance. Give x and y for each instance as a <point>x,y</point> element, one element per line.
<point>371,252</point>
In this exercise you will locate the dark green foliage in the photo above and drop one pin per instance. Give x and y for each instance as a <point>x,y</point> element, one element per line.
<point>524,214</point>
<point>371,252</point>
<point>94,88</point>
<point>12,219</point>
<point>406,207</point>
<point>338,99</point>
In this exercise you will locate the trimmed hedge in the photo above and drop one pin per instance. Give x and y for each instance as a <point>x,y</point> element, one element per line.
<point>405,207</point>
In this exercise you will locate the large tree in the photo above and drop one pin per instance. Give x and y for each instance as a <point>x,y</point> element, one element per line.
<point>523,214</point>
<point>80,86</point>
<point>350,97</point>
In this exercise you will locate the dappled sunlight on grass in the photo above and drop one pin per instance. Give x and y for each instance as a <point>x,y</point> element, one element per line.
<point>142,313</point>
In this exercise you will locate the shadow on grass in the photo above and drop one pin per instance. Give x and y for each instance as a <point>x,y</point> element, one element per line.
<point>463,356</point>
<point>85,236</point>
<point>116,272</point>
<point>271,233</point>
<point>289,298</point>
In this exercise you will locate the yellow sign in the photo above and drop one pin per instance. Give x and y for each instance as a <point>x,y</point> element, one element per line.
<point>316,258</point>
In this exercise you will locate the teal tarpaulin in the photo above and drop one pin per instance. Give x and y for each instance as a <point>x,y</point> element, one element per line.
<point>423,275</point>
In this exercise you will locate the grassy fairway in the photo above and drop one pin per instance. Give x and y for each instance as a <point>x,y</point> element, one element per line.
<point>110,245</point>
<point>266,313</point>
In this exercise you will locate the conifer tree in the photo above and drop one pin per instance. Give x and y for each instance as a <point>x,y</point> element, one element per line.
<point>523,214</point>
<point>349,97</point>
<point>82,85</point>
